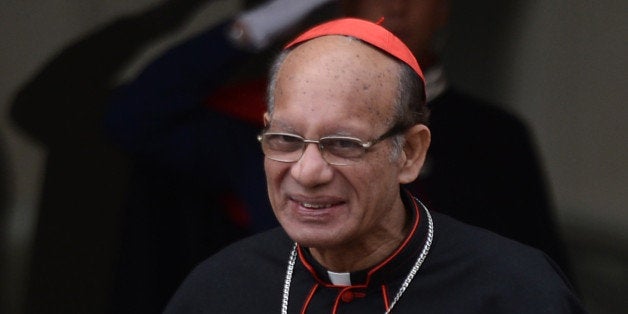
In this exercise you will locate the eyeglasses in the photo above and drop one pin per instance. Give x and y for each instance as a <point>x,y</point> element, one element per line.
<point>336,150</point>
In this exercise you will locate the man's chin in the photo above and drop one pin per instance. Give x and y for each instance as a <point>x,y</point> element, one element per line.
<point>312,237</point>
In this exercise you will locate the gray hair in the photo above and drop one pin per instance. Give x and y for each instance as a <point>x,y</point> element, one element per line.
<point>409,106</point>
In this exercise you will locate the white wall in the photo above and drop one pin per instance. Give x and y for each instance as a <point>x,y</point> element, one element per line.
<point>571,73</point>
<point>570,82</point>
<point>562,65</point>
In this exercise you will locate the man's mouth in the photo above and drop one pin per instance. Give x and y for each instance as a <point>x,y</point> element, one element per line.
<point>315,206</point>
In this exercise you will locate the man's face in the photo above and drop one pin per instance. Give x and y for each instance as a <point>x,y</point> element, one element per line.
<point>413,21</point>
<point>335,86</point>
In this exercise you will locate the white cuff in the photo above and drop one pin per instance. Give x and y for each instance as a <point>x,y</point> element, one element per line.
<point>264,23</point>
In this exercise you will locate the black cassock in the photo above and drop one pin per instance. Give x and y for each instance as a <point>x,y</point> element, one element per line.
<point>467,270</point>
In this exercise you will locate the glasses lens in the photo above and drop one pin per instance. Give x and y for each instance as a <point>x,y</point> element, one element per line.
<point>282,147</point>
<point>341,149</point>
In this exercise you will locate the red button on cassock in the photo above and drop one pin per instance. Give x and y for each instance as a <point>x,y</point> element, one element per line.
<point>348,296</point>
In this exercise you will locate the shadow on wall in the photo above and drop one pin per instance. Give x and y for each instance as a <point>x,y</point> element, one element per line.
<point>5,178</point>
<point>62,107</point>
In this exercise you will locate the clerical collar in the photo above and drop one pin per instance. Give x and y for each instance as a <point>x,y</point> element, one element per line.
<point>339,279</point>
<point>392,269</point>
<point>435,81</point>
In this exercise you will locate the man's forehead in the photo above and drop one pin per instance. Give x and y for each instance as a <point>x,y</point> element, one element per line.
<point>337,74</point>
<point>344,62</point>
<point>342,54</point>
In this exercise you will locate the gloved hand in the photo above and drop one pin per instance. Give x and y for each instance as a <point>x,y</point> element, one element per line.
<point>258,27</point>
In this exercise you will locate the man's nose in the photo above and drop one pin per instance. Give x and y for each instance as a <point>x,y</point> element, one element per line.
<point>312,169</point>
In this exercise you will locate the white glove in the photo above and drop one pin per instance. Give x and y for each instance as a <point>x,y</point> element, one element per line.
<point>262,24</point>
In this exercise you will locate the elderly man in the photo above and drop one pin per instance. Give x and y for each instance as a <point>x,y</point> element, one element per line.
<point>351,240</point>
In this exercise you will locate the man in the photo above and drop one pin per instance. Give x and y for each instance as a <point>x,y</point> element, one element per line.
<point>351,240</point>
<point>490,178</point>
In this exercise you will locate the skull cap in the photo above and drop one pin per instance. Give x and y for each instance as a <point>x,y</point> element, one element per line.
<point>368,32</point>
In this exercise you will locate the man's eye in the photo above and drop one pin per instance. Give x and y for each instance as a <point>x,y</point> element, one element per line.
<point>338,145</point>
<point>283,142</point>
<point>287,139</point>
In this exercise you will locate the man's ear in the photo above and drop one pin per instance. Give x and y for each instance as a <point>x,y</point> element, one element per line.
<point>266,119</point>
<point>417,141</point>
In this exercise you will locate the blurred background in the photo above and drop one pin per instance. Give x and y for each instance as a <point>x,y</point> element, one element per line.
<point>559,65</point>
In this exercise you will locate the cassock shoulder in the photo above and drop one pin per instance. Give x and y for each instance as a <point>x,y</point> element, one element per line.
<point>247,275</point>
<point>495,274</point>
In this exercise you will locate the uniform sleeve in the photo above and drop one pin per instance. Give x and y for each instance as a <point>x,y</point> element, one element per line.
<point>158,116</point>
<point>162,121</point>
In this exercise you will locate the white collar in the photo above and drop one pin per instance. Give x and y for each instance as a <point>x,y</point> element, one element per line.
<point>339,279</point>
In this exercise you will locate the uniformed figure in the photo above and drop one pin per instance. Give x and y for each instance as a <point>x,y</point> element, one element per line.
<point>345,129</point>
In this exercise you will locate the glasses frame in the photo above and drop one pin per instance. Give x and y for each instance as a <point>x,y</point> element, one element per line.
<point>396,129</point>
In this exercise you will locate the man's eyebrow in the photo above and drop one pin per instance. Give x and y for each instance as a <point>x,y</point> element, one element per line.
<point>281,125</point>
<point>343,132</point>
<point>335,130</point>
